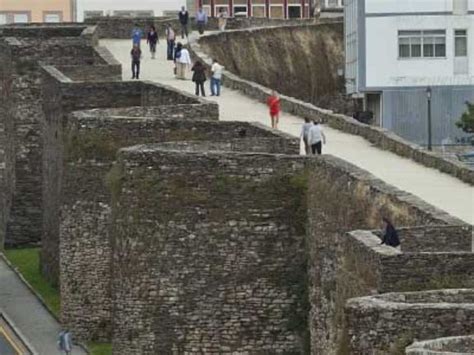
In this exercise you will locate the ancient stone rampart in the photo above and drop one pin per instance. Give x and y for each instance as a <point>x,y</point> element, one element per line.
<point>352,199</point>
<point>458,345</point>
<point>121,27</point>
<point>63,96</point>
<point>22,49</point>
<point>387,323</point>
<point>380,137</point>
<point>218,241</point>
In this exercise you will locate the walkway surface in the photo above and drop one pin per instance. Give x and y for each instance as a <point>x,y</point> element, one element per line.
<point>28,315</point>
<point>436,188</point>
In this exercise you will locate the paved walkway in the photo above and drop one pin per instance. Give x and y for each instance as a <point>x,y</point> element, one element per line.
<point>436,188</point>
<point>28,315</point>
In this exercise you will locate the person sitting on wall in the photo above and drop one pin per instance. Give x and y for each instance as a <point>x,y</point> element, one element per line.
<point>390,235</point>
<point>201,20</point>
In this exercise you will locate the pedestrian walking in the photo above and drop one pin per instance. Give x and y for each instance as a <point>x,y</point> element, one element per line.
<point>136,55</point>
<point>304,135</point>
<point>222,19</point>
<point>201,20</point>
<point>199,77</point>
<point>216,78</point>
<point>182,61</point>
<point>183,20</point>
<point>390,235</point>
<point>170,40</point>
<point>65,342</point>
<point>152,40</point>
<point>316,138</point>
<point>273,103</point>
<point>137,35</point>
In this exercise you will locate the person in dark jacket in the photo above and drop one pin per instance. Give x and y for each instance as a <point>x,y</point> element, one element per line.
<point>183,20</point>
<point>136,55</point>
<point>199,77</point>
<point>152,40</point>
<point>390,235</point>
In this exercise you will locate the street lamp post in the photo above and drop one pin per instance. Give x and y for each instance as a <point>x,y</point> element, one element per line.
<point>428,96</point>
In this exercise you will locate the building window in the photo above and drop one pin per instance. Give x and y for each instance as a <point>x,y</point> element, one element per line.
<point>52,17</point>
<point>21,17</point>
<point>418,44</point>
<point>460,43</point>
<point>3,19</point>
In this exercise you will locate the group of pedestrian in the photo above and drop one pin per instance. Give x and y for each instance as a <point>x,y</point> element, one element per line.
<point>313,137</point>
<point>200,77</point>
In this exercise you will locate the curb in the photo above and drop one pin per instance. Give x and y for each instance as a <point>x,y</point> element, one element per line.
<point>37,295</point>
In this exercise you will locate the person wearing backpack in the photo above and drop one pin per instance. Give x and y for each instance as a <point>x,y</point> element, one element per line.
<point>199,77</point>
<point>136,55</point>
<point>65,342</point>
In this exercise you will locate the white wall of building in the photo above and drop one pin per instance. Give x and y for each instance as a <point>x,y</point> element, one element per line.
<point>384,68</point>
<point>108,6</point>
<point>383,20</point>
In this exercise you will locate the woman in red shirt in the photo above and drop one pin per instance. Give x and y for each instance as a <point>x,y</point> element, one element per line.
<point>273,103</point>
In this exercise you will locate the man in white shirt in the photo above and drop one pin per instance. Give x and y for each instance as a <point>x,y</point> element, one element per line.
<point>304,135</point>
<point>316,138</point>
<point>216,77</point>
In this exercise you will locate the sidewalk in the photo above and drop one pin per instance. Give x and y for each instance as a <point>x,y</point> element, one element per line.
<point>28,315</point>
<point>438,189</point>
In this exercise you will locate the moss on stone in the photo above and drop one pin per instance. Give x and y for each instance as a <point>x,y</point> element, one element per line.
<point>93,144</point>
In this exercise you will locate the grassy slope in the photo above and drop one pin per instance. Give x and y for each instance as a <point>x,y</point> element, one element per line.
<point>27,262</point>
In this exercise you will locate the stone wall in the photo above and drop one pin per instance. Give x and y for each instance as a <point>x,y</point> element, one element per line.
<point>379,137</point>
<point>81,155</point>
<point>121,27</point>
<point>459,345</point>
<point>62,96</point>
<point>388,323</point>
<point>306,67</point>
<point>22,49</point>
<point>342,198</point>
<point>209,253</point>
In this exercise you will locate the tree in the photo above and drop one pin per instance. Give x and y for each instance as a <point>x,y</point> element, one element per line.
<point>466,122</point>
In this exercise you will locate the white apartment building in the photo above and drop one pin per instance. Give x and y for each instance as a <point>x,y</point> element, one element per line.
<point>399,50</point>
<point>142,8</point>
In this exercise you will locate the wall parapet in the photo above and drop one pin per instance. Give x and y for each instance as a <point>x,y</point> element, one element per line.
<point>378,136</point>
<point>458,345</point>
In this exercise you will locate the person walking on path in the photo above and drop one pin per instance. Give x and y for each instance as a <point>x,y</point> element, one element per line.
<point>201,20</point>
<point>316,138</point>
<point>136,55</point>
<point>390,235</point>
<point>137,35</point>
<point>304,135</point>
<point>65,342</point>
<point>183,20</point>
<point>182,61</point>
<point>170,39</point>
<point>216,78</point>
<point>199,77</point>
<point>222,21</point>
<point>273,103</point>
<point>152,40</point>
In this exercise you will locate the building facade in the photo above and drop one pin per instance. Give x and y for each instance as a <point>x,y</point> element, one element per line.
<point>26,11</point>
<point>405,58</point>
<point>282,9</point>
<point>126,8</point>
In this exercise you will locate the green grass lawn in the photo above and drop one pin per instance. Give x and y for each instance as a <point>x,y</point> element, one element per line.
<point>27,262</point>
<point>100,348</point>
